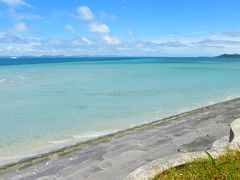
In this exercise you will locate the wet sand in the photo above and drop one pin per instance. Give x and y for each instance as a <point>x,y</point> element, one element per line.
<point>116,155</point>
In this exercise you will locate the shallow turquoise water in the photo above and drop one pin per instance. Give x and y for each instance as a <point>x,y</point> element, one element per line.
<point>49,102</point>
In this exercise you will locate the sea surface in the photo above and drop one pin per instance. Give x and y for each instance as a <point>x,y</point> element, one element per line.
<point>48,104</point>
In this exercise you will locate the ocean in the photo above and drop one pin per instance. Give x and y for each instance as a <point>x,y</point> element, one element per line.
<point>46,105</point>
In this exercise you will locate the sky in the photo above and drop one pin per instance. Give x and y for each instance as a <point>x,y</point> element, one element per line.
<point>119,27</point>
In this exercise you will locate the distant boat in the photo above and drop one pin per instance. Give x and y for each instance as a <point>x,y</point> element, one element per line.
<point>13,57</point>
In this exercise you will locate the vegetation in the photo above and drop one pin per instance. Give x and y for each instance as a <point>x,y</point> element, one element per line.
<point>224,167</point>
<point>229,56</point>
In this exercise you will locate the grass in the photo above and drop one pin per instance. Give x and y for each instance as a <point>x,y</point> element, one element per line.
<point>223,167</point>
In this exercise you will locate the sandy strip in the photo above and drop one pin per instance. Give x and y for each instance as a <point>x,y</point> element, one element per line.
<point>116,155</point>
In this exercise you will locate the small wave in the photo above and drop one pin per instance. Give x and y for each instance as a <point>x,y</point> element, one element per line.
<point>2,80</point>
<point>21,77</point>
<point>56,142</point>
<point>161,112</point>
<point>93,135</point>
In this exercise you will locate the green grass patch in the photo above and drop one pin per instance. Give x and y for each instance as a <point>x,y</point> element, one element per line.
<point>224,167</point>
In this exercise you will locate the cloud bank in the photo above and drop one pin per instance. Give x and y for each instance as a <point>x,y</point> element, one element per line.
<point>15,3</point>
<point>100,38</point>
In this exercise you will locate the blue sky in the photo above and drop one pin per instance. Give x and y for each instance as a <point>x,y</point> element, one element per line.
<point>119,27</point>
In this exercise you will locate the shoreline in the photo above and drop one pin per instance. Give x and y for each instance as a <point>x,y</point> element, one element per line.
<point>101,139</point>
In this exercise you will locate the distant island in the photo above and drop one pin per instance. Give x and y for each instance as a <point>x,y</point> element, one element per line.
<point>229,56</point>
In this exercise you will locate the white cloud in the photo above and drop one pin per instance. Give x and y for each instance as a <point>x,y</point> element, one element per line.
<point>20,15</point>
<point>55,42</point>
<point>20,27</point>
<point>10,38</point>
<point>106,44</point>
<point>81,42</point>
<point>85,13</point>
<point>87,41</point>
<point>70,28</point>
<point>99,28</point>
<point>15,3</point>
<point>105,15</point>
<point>110,40</point>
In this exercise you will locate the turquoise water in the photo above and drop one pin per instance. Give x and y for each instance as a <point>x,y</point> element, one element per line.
<point>76,100</point>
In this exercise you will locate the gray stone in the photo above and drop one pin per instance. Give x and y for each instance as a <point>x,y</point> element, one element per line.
<point>115,156</point>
